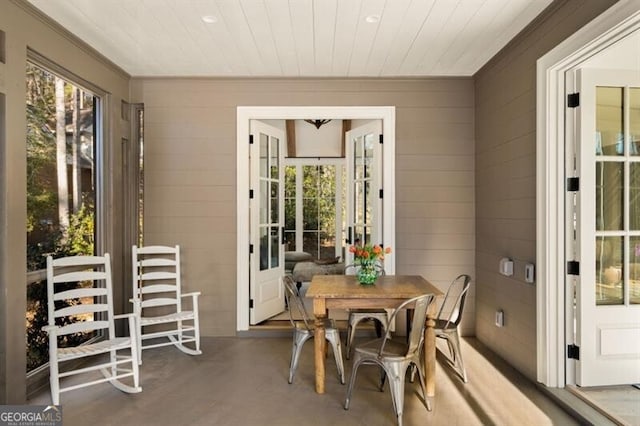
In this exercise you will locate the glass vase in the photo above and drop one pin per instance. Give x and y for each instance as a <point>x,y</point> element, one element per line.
<point>367,274</point>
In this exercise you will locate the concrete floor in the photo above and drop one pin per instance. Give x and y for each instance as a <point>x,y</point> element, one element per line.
<point>243,381</point>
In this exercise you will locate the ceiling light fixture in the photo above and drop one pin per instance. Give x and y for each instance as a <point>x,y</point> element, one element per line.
<point>209,19</point>
<point>317,123</point>
<point>372,19</point>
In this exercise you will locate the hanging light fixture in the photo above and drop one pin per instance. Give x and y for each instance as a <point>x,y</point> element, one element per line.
<point>318,123</point>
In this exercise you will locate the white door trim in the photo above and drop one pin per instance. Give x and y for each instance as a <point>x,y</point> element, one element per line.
<point>245,113</point>
<point>614,24</point>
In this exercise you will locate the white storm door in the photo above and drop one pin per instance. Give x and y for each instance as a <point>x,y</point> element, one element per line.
<point>266,222</point>
<point>608,225</point>
<point>364,186</point>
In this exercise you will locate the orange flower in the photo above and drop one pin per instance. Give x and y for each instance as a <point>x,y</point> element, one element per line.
<point>368,253</point>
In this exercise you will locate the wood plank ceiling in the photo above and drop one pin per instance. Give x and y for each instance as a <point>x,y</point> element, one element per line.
<point>295,38</point>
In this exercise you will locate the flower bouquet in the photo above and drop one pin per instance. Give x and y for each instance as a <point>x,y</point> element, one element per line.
<point>368,260</point>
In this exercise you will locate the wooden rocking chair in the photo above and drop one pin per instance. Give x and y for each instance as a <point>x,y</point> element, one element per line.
<point>80,300</point>
<point>157,300</point>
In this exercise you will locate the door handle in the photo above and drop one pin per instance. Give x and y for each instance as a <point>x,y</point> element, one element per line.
<point>348,240</point>
<point>282,235</point>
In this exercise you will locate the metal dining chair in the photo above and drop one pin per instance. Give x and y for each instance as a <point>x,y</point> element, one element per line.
<point>394,357</point>
<point>304,330</point>
<point>356,315</point>
<point>448,320</point>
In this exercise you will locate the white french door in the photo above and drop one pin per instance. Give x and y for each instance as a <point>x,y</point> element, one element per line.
<point>266,222</point>
<point>364,186</point>
<point>607,224</point>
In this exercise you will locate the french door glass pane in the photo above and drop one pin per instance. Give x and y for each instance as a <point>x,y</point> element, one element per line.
<point>264,202</point>
<point>275,246</point>
<point>264,248</point>
<point>275,208</point>
<point>309,181</point>
<point>358,160</point>
<point>327,247</point>
<point>362,235</point>
<point>634,270</point>
<point>634,196</point>
<point>634,121</point>
<point>264,155</point>
<point>368,154</point>
<point>274,164</point>
<point>290,208</point>
<point>310,214</point>
<point>318,207</point>
<point>609,121</point>
<point>609,196</point>
<point>358,202</point>
<point>290,214</point>
<point>609,271</point>
<point>290,241</point>
<point>290,182</point>
<point>310,243</point>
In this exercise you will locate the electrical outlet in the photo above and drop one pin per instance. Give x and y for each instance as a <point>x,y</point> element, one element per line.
<point>499,318</point>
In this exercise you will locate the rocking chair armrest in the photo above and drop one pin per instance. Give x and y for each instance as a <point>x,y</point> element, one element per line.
<point>121,316</point>
<point>192,294</point>
<point>50,329</point>
<point>133,331</point>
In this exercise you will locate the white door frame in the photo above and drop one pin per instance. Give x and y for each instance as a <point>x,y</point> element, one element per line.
<point>246,113</point>
<point>614,24</point>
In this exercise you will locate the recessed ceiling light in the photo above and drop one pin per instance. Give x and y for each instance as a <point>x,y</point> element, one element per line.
<point>209,19</point>
<point>372,19</point>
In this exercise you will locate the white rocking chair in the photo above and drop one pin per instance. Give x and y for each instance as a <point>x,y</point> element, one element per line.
<point>89,308</point>
<point>157,300</point>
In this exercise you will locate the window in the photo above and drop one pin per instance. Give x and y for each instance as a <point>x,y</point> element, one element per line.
<point>314,209</point>
<point>61,189</point>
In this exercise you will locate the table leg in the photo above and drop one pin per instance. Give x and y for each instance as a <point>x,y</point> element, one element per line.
<point>319,342</point>
<point>430,355</point>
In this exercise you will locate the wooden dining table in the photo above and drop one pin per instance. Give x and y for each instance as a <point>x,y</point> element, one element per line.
<point>389,291</point>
